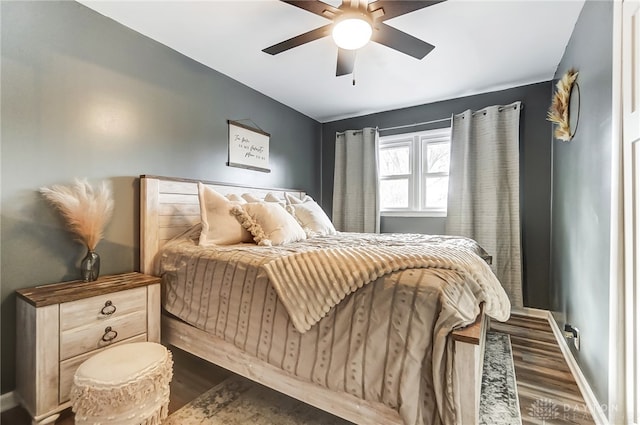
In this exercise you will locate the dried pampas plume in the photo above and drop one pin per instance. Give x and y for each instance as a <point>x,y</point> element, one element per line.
<point>559,110</point>
<point>86,211</point>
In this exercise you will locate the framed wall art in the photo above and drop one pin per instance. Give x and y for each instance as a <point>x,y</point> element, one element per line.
<point>248,147</point>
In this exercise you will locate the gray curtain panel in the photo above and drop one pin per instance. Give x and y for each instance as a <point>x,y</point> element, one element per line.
<point>484,188</point>
<point>355,182</point>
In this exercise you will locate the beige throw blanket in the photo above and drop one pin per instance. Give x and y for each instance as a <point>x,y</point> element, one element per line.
<point>310,283</point>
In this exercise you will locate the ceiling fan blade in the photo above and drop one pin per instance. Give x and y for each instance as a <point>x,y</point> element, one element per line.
<point>299,40</point>
<point>346,62</point>
<point>317,7</point>
<point>393,8</point>
<point>401,41</point>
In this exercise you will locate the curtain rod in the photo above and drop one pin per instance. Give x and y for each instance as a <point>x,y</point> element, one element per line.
<point>500,109</point>
<point>414,124</point>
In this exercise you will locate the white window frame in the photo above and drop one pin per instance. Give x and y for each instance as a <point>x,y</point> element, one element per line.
<point>418,142</point>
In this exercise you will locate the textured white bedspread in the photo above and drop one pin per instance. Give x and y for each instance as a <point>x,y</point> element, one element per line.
<point>387,341</point>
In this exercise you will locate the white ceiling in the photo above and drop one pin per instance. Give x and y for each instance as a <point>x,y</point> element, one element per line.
<point>480,46</point>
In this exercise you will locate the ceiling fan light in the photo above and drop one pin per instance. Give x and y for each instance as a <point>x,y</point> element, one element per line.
<point>352,33</point>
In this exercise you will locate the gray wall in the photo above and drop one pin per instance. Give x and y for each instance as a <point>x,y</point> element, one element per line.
<point>426,225</point>
<point>535,172</point>
<point>581,197</point>
<point>83,96</point>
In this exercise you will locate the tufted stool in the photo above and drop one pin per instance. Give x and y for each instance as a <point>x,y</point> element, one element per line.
<point>125,385</point>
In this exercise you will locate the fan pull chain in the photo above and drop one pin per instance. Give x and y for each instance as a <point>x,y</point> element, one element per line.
<point>353,74</point>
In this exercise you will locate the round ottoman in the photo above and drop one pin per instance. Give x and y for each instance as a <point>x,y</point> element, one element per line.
<point>125,385</point>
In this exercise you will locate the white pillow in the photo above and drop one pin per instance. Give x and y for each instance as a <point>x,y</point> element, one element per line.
<point>219,226</point>
<point>234,197</point>
<point>269,223</point>
<point>291,200</point>
<point>270,197</point>
<point>250,198</point>
<point>311,217</point>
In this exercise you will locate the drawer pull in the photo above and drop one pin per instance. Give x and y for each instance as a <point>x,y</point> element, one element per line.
<point>109,334</point>
<point>108,308</point>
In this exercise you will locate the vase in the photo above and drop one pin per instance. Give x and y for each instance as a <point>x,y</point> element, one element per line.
<point>90,266</point>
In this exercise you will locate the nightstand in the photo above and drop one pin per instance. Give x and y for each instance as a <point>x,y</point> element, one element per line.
<point>61,325</point>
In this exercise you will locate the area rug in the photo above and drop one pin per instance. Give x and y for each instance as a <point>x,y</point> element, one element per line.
<point>239,401</point>
<point>499,396</point>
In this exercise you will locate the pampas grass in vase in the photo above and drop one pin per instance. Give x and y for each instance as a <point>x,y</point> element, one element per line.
<point>86,211</point>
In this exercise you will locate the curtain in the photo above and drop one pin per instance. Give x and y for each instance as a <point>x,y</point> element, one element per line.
<point>355,182</point>
<point>484,188</point>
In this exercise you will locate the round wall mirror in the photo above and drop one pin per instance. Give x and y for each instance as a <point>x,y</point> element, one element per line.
<point>574,109</point>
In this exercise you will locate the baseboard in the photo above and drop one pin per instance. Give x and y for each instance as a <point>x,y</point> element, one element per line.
<point>595,407</point>
<point>8,401</point>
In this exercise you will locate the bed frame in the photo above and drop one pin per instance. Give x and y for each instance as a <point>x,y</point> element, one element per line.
<point>168,206</point>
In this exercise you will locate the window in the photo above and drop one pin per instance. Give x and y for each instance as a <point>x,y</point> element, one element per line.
<point>414,173</point>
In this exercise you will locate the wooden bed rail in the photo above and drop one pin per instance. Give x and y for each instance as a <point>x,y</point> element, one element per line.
<point>469,344</point>
<point>473,333</point>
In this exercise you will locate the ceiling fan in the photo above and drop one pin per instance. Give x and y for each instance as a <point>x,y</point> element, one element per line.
<point>354,23</point>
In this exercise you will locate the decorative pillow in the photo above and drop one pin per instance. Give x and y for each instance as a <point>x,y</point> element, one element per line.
<point>269,223</point>
<point>234,197</point>
<point>270,197</point>
<point>311,217</point>
<point>219,226</point>
<point>250,198</point>
<point>291,200</point>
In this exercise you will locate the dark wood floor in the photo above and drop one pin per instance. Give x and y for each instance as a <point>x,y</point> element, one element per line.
<point>547,391</point>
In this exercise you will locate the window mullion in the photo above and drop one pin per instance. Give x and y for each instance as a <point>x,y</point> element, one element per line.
<point>417,174</point>
<point>440,174</point>
<point>396,177</point>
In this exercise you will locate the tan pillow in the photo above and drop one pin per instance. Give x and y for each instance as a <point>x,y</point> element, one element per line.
<point>219,226</point>
<point>269,223</point>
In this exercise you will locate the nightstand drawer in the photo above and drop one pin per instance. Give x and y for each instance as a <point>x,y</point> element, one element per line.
<point>88,338</point>
<point>68,367</point>
<point>102,308</point>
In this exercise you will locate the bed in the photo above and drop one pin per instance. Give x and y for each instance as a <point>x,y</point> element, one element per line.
<point>169,207</point>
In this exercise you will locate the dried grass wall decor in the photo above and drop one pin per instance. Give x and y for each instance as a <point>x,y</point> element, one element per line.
<point>559,111</point>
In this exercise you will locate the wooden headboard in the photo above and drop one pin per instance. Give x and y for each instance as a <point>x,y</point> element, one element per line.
<point>169,206</point>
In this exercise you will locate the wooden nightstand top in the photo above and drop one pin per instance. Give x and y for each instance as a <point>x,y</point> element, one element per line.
<point>63,292</point>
